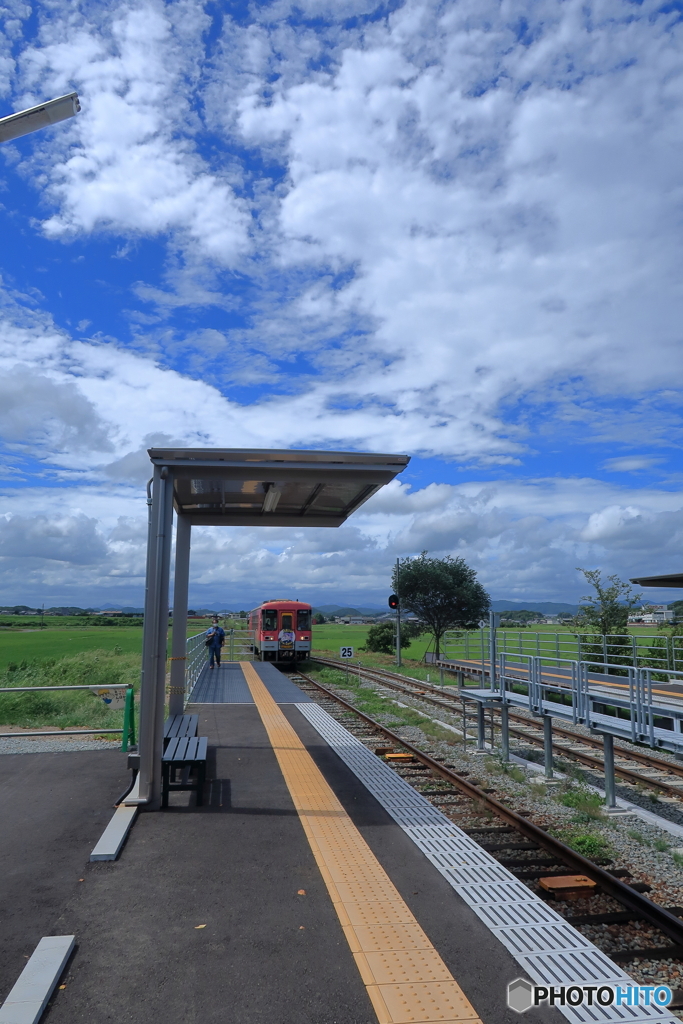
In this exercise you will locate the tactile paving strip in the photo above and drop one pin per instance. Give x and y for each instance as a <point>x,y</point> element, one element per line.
<point>550,950</point>
<point>406,979</point>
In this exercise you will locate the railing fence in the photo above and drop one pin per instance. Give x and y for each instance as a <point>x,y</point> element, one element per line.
<point>611,653</point>
<point>239,646</point>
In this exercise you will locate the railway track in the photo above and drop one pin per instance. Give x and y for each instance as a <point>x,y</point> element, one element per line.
<point>662,775</point>
<point>523,847</point>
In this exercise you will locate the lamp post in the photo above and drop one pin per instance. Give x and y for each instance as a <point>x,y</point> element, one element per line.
<point>41,116</point>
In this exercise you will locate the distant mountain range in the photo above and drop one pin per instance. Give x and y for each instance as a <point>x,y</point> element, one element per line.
<point>545,607</point>
<point>344,611</point>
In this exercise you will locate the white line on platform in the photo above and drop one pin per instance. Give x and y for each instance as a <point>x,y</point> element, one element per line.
<point>114,835</point>
<point>36,983</point>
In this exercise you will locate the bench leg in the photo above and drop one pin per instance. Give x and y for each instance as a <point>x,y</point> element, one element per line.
<point>165,769</point>
<point>201,773</point>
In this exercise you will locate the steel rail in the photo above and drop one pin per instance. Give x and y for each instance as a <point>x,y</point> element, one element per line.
<point>409,685</point>
<point>58,732</point>
<point>620,891</point>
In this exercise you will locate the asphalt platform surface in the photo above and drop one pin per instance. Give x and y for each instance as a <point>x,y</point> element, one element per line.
<point>53,809</point>
<point>200,920</point>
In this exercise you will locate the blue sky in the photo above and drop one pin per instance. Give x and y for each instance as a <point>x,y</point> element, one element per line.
<point>449,229</point>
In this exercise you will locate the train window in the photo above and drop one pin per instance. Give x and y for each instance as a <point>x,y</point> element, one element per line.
<point>303,619</point>
<point>286,620</point>
<point>269,616</point>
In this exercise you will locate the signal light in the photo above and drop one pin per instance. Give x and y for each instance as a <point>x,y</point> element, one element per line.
<point>393,601</point>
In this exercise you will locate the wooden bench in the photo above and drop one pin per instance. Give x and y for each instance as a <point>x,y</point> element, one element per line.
<point>180,727</point>
<point>189,754</point>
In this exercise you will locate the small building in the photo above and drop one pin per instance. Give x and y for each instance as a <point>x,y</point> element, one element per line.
<point>651,615</point>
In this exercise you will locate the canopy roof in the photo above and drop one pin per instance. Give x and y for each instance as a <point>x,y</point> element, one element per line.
<point>676,580</point>
<point>269,487</point>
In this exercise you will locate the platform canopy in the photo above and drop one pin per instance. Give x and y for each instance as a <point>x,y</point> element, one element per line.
<point>262,487</point>
<point>675,581</point>
<point>227,487</point>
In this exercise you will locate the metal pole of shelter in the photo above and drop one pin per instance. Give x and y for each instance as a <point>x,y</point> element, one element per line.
<point>153,681</point>
<point>610,790</point>
<point>181,582</point>
<point>548,745</point>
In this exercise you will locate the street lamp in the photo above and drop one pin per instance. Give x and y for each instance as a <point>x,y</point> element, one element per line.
<point>26,121</point>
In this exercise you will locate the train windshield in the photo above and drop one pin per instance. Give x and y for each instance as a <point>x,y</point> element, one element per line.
<point>286,620</point>
<point>303,619</point>
<point>269,618</point>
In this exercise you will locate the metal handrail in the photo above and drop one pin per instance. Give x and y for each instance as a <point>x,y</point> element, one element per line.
<point>641,718</point>
<point>659,652</point>
<point>239,646</point>
<point>195,656</point>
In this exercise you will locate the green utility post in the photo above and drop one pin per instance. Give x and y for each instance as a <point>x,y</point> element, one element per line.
<point>129,720</point>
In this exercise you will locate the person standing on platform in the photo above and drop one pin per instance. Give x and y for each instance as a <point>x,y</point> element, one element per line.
<point>215,638</point>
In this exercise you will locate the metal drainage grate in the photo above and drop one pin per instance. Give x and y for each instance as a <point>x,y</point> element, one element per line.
<point>550,950</point>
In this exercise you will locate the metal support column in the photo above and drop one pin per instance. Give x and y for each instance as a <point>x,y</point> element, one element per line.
<point>181,580</point>
<point>492,650</point>
<point>610,790</point>
<point>548,745</point>
<point>153,681</point>
<point>398,615</point>
<point>481,726</point>
<point>504,733</point>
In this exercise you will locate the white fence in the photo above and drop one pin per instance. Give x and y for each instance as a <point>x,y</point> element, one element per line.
<point>659,652</point>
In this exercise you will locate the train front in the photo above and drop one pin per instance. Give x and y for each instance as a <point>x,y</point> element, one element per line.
<point>285,631</point>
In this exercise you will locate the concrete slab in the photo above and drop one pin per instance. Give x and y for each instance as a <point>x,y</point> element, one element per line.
<point>29,997</point>
<point>114,836</point>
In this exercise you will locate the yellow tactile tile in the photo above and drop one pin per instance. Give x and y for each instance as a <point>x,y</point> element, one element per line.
<point>406,979</point>
<point>395,967</point>
<point>406,936</point>
<point>418,1003</point>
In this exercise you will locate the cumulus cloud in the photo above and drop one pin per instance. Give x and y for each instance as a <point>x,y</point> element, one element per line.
<point>524,539</point>
<point>451,229</point>
<point>128,163</point>
<point>73,539</point>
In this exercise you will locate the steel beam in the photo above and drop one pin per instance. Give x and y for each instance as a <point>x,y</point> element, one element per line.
<point>548,745</point>
<point>481,726</point>
<point>608,753</point>
<point>504,733</point>
<point>153,681</point>
<point>181,581</point>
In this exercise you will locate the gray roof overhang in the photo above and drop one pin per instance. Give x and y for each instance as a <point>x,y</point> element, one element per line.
<point>675,581</point>
<point>228,486</point>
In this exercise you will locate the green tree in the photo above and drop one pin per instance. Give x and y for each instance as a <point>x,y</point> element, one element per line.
<point>381,638</point>
<point>607,610</point>
<point>443,593</point>
<point>318,619</point>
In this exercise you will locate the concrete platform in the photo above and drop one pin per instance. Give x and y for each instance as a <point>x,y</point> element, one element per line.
<point>53,809</point>
<point>201,919</point>
<point>226,684</point>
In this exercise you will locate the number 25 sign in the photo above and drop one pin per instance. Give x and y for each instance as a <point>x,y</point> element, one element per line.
<point>346,652</point>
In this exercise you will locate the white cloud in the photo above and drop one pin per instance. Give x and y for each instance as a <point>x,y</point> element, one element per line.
<point>632,463</point>
<point>473,236</point>
<point>525,540</point>
<point>128,164</point>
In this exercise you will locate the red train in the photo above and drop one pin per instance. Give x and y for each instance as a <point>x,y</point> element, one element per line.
<point>282,630</point>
